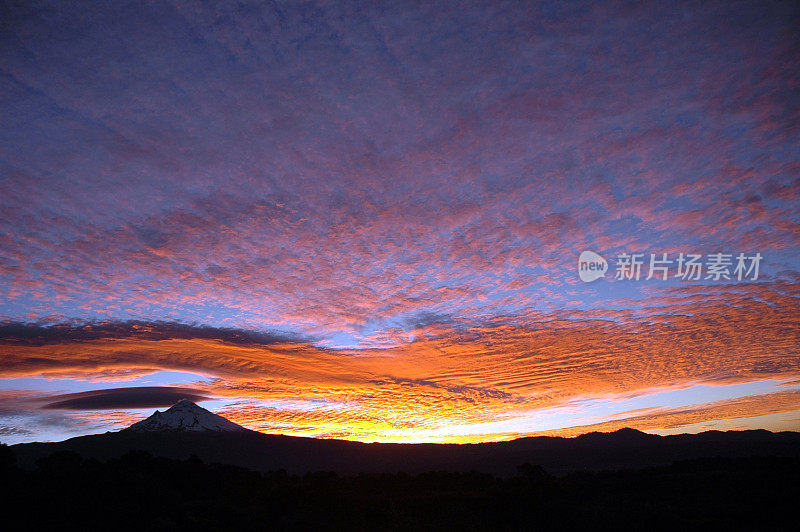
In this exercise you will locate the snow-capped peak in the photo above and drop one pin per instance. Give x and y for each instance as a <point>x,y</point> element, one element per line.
<point>186,416</point>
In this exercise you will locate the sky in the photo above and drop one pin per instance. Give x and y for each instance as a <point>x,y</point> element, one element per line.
<point>363,220</point>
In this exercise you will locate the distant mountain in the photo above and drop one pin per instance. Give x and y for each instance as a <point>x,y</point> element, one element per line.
<point>186,416</point>
<point>187,429</point>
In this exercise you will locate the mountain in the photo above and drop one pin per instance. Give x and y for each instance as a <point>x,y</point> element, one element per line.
<point>187,429</point>
<point>185,416</point>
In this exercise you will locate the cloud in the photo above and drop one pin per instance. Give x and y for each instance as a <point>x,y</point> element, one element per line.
<point>453,372</point>
<point>13,431</point>
<point>39,334</point>
<point>327,174</point>
<point>120,398</point>
<point>231,188</point>
<point>675,418</point>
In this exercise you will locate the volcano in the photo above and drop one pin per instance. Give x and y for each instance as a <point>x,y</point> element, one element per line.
<point>185,416</point>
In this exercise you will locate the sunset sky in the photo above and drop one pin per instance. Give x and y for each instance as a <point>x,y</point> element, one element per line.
<point>362,220</point>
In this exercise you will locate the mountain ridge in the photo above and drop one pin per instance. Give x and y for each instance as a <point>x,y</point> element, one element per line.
<point>626,448</point>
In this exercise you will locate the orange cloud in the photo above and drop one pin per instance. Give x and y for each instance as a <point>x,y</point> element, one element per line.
<point>454,373</point>
<point>674,418</point>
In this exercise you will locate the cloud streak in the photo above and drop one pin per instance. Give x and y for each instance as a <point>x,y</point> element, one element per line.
<point>123,398</point>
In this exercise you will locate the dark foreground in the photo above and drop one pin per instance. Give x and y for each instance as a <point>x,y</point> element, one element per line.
<point>142,492</point>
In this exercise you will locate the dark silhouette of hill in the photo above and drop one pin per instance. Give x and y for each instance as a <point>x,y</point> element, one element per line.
<point>187,468</point>
<point>623,449</point>
<point>138,491</point>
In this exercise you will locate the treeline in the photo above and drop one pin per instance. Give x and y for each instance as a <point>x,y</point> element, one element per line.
<point>142,492</point>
